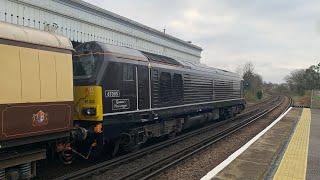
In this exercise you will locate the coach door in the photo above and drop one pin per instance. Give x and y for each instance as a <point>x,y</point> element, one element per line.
<point>143,87</point>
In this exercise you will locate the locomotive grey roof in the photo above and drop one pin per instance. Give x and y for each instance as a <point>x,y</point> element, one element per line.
<point>205,68</point>
<point>161,59</point>
<point>133,54</point>
<point>117,51</point>
<point>33,36</point>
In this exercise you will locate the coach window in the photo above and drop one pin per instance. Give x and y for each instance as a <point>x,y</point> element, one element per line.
<point>165,86</point>
<point>128,72</point>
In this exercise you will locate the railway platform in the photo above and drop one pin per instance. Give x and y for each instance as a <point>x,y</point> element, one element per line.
<point>287,149</point>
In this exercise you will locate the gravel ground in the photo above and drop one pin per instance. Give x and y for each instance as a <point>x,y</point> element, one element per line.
<point>160,154</point>
<point>200,164</point>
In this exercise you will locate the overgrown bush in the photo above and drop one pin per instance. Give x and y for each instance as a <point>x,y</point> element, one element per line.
<point>259,94</point>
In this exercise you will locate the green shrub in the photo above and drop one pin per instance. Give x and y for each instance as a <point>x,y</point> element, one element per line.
<point>259,94</point>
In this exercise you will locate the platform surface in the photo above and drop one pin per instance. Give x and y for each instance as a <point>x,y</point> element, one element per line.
<point>294,162</point>
<point>313,167</point>
<point>257,161</point>
<point>289,150</point>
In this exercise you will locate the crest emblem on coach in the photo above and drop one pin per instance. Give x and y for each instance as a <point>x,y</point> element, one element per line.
<point>40,119</point>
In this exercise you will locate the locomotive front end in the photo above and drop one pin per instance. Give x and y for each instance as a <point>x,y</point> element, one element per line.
<point>88,100</point>
<point>88,103</point>
<point>87,90</point>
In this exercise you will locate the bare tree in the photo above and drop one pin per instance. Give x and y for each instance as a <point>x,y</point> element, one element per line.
<point>248,68</point>
<point>252,81</point>
<point>248,74</point>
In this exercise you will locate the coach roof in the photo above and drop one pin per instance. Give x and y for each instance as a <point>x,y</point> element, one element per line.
<point>33,36</point>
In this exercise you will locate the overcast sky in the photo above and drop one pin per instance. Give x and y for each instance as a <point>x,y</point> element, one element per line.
<point>277,36</point>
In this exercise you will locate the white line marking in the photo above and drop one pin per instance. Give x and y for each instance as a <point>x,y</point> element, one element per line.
<point>233,156</point>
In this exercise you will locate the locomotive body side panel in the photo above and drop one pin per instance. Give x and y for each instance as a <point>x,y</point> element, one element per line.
<point>143,96</point>
<point>124,85</point>
<point>119,87</point>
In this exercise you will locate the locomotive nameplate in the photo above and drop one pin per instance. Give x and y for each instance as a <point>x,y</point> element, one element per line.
<point>120,104</point>
<point>112,93</point>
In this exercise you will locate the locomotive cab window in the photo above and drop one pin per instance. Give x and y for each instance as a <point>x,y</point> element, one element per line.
<point>84,65</point>
<point>128,72</point>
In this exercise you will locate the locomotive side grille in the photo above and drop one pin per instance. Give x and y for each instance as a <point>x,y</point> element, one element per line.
<point>226,89</point>
<point>173,89</point>
<point>165,88</point>
<point>177,89</point>
<point>197,89</point>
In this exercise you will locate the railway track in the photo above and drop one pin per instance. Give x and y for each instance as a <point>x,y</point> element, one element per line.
<point>150,170</point>
<point>155,167</point>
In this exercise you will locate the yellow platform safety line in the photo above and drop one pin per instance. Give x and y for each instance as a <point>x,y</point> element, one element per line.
<point>293,165</point>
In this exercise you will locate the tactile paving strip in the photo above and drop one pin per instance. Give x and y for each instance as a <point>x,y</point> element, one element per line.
<point>293,165</point>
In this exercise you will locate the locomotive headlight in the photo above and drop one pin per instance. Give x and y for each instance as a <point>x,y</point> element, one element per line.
<point>89,111</point>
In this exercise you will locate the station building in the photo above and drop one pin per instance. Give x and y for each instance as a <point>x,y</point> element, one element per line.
<point>83,22</point>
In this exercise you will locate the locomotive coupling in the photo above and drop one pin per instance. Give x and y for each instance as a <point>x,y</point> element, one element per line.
<point>87,142</point>
<point>79,133</point>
